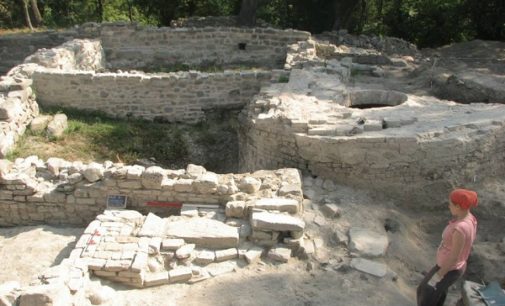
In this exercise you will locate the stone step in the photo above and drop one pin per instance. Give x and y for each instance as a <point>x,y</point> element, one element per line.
<point>281,204</point>
<point>204,233</point>
<point>268,221</point>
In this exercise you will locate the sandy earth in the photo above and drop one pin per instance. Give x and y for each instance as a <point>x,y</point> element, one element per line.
<point>323,280</point>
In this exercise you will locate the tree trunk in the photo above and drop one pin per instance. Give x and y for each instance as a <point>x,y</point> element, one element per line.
<point>343,12</point>
<point>27,14</point>
<point>130,11</point>
<point>36,13</point>
<point>99,10</point>
<point>247,15</point>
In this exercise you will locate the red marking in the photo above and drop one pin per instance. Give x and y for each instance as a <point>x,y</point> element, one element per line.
<point>164,204</point>
<point>91,241</point>
<point>96,233</point>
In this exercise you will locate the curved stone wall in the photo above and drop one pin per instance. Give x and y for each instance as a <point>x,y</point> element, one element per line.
<point>417,146</point>
<point>130,47</point>
<point>175,97</point>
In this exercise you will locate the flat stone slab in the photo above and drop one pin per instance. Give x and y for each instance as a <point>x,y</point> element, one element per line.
<point>262,220</point>
<point>204,233</point>
<point>280,204</point>
<point>216,269</point>
<point>368,243</point>
<point>153,226</point>
<point>368,266</point>
<point>279,254</point>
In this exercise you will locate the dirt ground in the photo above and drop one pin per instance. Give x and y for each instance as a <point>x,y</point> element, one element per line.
<point>325,279</point>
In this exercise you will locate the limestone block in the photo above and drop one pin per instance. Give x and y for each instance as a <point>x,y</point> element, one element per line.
<point>58,125</point>
<point>40,123</point>
<point>368,266</point>
<point>180,274</point>
<point>206,183</point>
<point>155,279</point>
<point>185,251</point>
<point>204,257</point>
<point>140,262</point>
<point>130,184</point>
<point>11,109</point>
<point>93,172</point>
<point>153,177</point>
<point>249,185</point>
<point>155,264</point>
<point>98,294</point>
<point>373,125</point>
<point>221,268</point>
<point>114,266</point>
<point>279,254</point>
<point>75,178</point>
<point>204,232</point>
<point>262,220</point>
<point>183,185</point>
<point>6,144</point>
<point>290,189</point>
<point>171,244</point>
<point>9,292</point>
<point>134,172</point>
<point>331,210</point>
<point>222,255</point>
<point>53,294</point>
<point>280,204</point>
<point>154,245</point>
<point>235,209</point>
<point>194,171</point>
<point>367,242</point>
<point>5,167</point>
<point>253,254</point>
<point>153,226</point>
<point>54,164</point>
<point>96,263</point>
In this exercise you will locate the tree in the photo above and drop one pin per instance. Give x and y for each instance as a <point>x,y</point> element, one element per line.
<point>27,14</point>
<point>247,15</point>
<point>36,13</point>
<point>343,13</point>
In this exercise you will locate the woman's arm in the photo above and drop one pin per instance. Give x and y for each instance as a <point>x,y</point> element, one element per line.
<point>458,242</point>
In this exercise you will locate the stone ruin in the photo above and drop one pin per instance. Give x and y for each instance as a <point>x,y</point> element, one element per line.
<point>302,110</point>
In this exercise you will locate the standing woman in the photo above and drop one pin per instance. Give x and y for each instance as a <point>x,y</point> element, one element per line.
<point>453,252</point>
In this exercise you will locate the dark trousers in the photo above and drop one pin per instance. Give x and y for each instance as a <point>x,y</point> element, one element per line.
<point>428,295</point>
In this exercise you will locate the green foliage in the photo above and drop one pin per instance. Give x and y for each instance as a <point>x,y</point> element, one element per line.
<point>428,23</point>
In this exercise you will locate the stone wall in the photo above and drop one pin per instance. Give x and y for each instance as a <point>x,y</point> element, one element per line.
<point>17,109</point>
<point>15,48</point>
<point>128,46</point>
<point>400,163</point>
<point>60,192</point>
<point>176,97</point>
<point>17,99</point>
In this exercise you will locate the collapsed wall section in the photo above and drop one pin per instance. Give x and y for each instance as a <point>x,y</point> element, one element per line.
<point>14,48</point>
<point>175,97</point>
<point>60,192</point>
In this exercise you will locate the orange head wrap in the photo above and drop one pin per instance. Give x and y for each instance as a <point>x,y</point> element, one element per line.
<point>464,198</point>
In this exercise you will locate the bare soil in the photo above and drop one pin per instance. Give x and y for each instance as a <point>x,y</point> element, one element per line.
<point>325,279</point>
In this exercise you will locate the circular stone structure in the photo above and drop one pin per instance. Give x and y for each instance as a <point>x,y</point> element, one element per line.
<point>418,144</point>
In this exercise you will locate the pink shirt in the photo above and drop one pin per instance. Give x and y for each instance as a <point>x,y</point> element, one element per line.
<point>466,226</point>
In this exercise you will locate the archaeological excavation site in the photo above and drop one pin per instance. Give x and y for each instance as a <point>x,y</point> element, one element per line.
<point>330,183</point>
